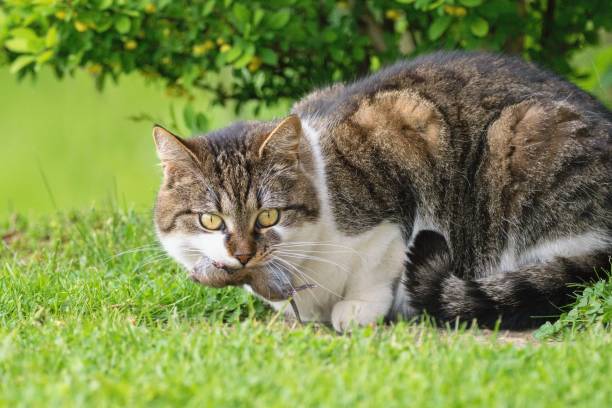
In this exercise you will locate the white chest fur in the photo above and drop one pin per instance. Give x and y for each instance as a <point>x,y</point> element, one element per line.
<point>352,276</point>
<point>342,268</point>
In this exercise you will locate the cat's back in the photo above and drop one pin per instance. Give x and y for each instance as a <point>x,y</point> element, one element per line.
<point>475,138</point>
<point>455,81</point>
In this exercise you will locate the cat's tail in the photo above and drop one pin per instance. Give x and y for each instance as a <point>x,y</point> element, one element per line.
<point>518,299</point>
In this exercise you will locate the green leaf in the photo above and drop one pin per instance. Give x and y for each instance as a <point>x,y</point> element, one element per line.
<point>401,25</point>
<point>208,8</point>
<point>104,4</point>
<point>18,45</point>
<point>258,15</point>
<point>268,56</point>
<point>103,26</point>
<point>374,63</point>
<point>51,38</point>
<point>470,3</point>
<point>438,27</point>
<point>24,33</point>
<point>249,52</point>
<point>242,13</point>
<point>259,79</point>
<point>21,62</point>
<point>329,36</point>
<point>279,19</point>
<point>202,123</point>
<point>479,27</point>
<point>421,4</point>
<point>189,116</point>
<point>434,5</point>
<point>45,56</point>
<point>233,54</point>
<point>123,24</point>
<point>24,42</point>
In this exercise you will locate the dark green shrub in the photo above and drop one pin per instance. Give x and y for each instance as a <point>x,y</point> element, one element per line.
<point>242,50</point>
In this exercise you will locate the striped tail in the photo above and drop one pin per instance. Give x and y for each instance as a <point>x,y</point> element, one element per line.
<point>520,299</point>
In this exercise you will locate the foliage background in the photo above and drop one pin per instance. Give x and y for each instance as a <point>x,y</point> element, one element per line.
<point>196,65</point>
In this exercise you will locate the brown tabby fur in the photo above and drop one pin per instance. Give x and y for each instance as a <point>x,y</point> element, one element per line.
<point>491,148</point>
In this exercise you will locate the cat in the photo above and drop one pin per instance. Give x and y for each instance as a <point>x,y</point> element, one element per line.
<point>472,187</point>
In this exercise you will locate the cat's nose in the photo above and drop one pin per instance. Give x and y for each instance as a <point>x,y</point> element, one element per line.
<point>244,258</point>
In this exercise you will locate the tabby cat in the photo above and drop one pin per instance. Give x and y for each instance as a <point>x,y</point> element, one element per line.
<point>470,186</point>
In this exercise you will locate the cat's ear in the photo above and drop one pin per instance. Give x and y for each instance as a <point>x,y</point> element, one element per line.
<point>284,140</point>
<point>171,148</point>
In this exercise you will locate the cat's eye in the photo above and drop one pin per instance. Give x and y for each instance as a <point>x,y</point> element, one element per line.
<point>211,222</point>
<point>268,218</point>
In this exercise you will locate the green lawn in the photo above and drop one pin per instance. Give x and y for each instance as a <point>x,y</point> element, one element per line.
<point>92,313</point>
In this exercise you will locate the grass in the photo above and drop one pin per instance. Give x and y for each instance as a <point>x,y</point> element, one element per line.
<point>593,308</point>
<point>84,320</point>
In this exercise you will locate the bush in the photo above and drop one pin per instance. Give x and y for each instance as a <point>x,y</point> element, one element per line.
<point>240,50</point>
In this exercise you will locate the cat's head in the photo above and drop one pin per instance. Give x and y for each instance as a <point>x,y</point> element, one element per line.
<point>233,196</point>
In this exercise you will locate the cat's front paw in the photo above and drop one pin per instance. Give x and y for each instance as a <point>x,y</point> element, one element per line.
<point>349,313</point>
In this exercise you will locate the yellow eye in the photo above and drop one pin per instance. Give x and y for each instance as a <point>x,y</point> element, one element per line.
<point>267,218</point>
<point>211,222</point>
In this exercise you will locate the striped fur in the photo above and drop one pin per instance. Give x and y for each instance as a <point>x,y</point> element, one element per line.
<point>491,174</point>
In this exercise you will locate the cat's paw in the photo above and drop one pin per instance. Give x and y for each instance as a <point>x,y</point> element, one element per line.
<point>349,313</point>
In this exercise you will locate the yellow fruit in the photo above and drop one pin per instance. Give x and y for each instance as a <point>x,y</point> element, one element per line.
<point>198,50</point>
<point>393,14</point>
<point>175,91</point>
<point>208,45</point>
<point>94,69</point>
<point>80,26</point>
<point>60,15</point>
<point>456,11</point>
<point>254,64</point>
<point>202,48</point>
<point>130,45</point>
<point>150,8</point>
<point>343,5</point>
<point>225,48</point>
<point>220,41</point>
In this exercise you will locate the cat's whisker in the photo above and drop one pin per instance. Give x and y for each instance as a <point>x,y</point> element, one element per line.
<point>192,251</point>
<point>309,277</point>
<point>331,251</point>
<point>144,248</point>
<point>317,246</point>
<point>319,243</point>
<point>314,251</point>
<point>314,258</point>
<point>303,277</point>
<point>151,260</point>
<point>280,269</point>
<point>297,245</point>
<point>376,286</point>
<point>306,276</point>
